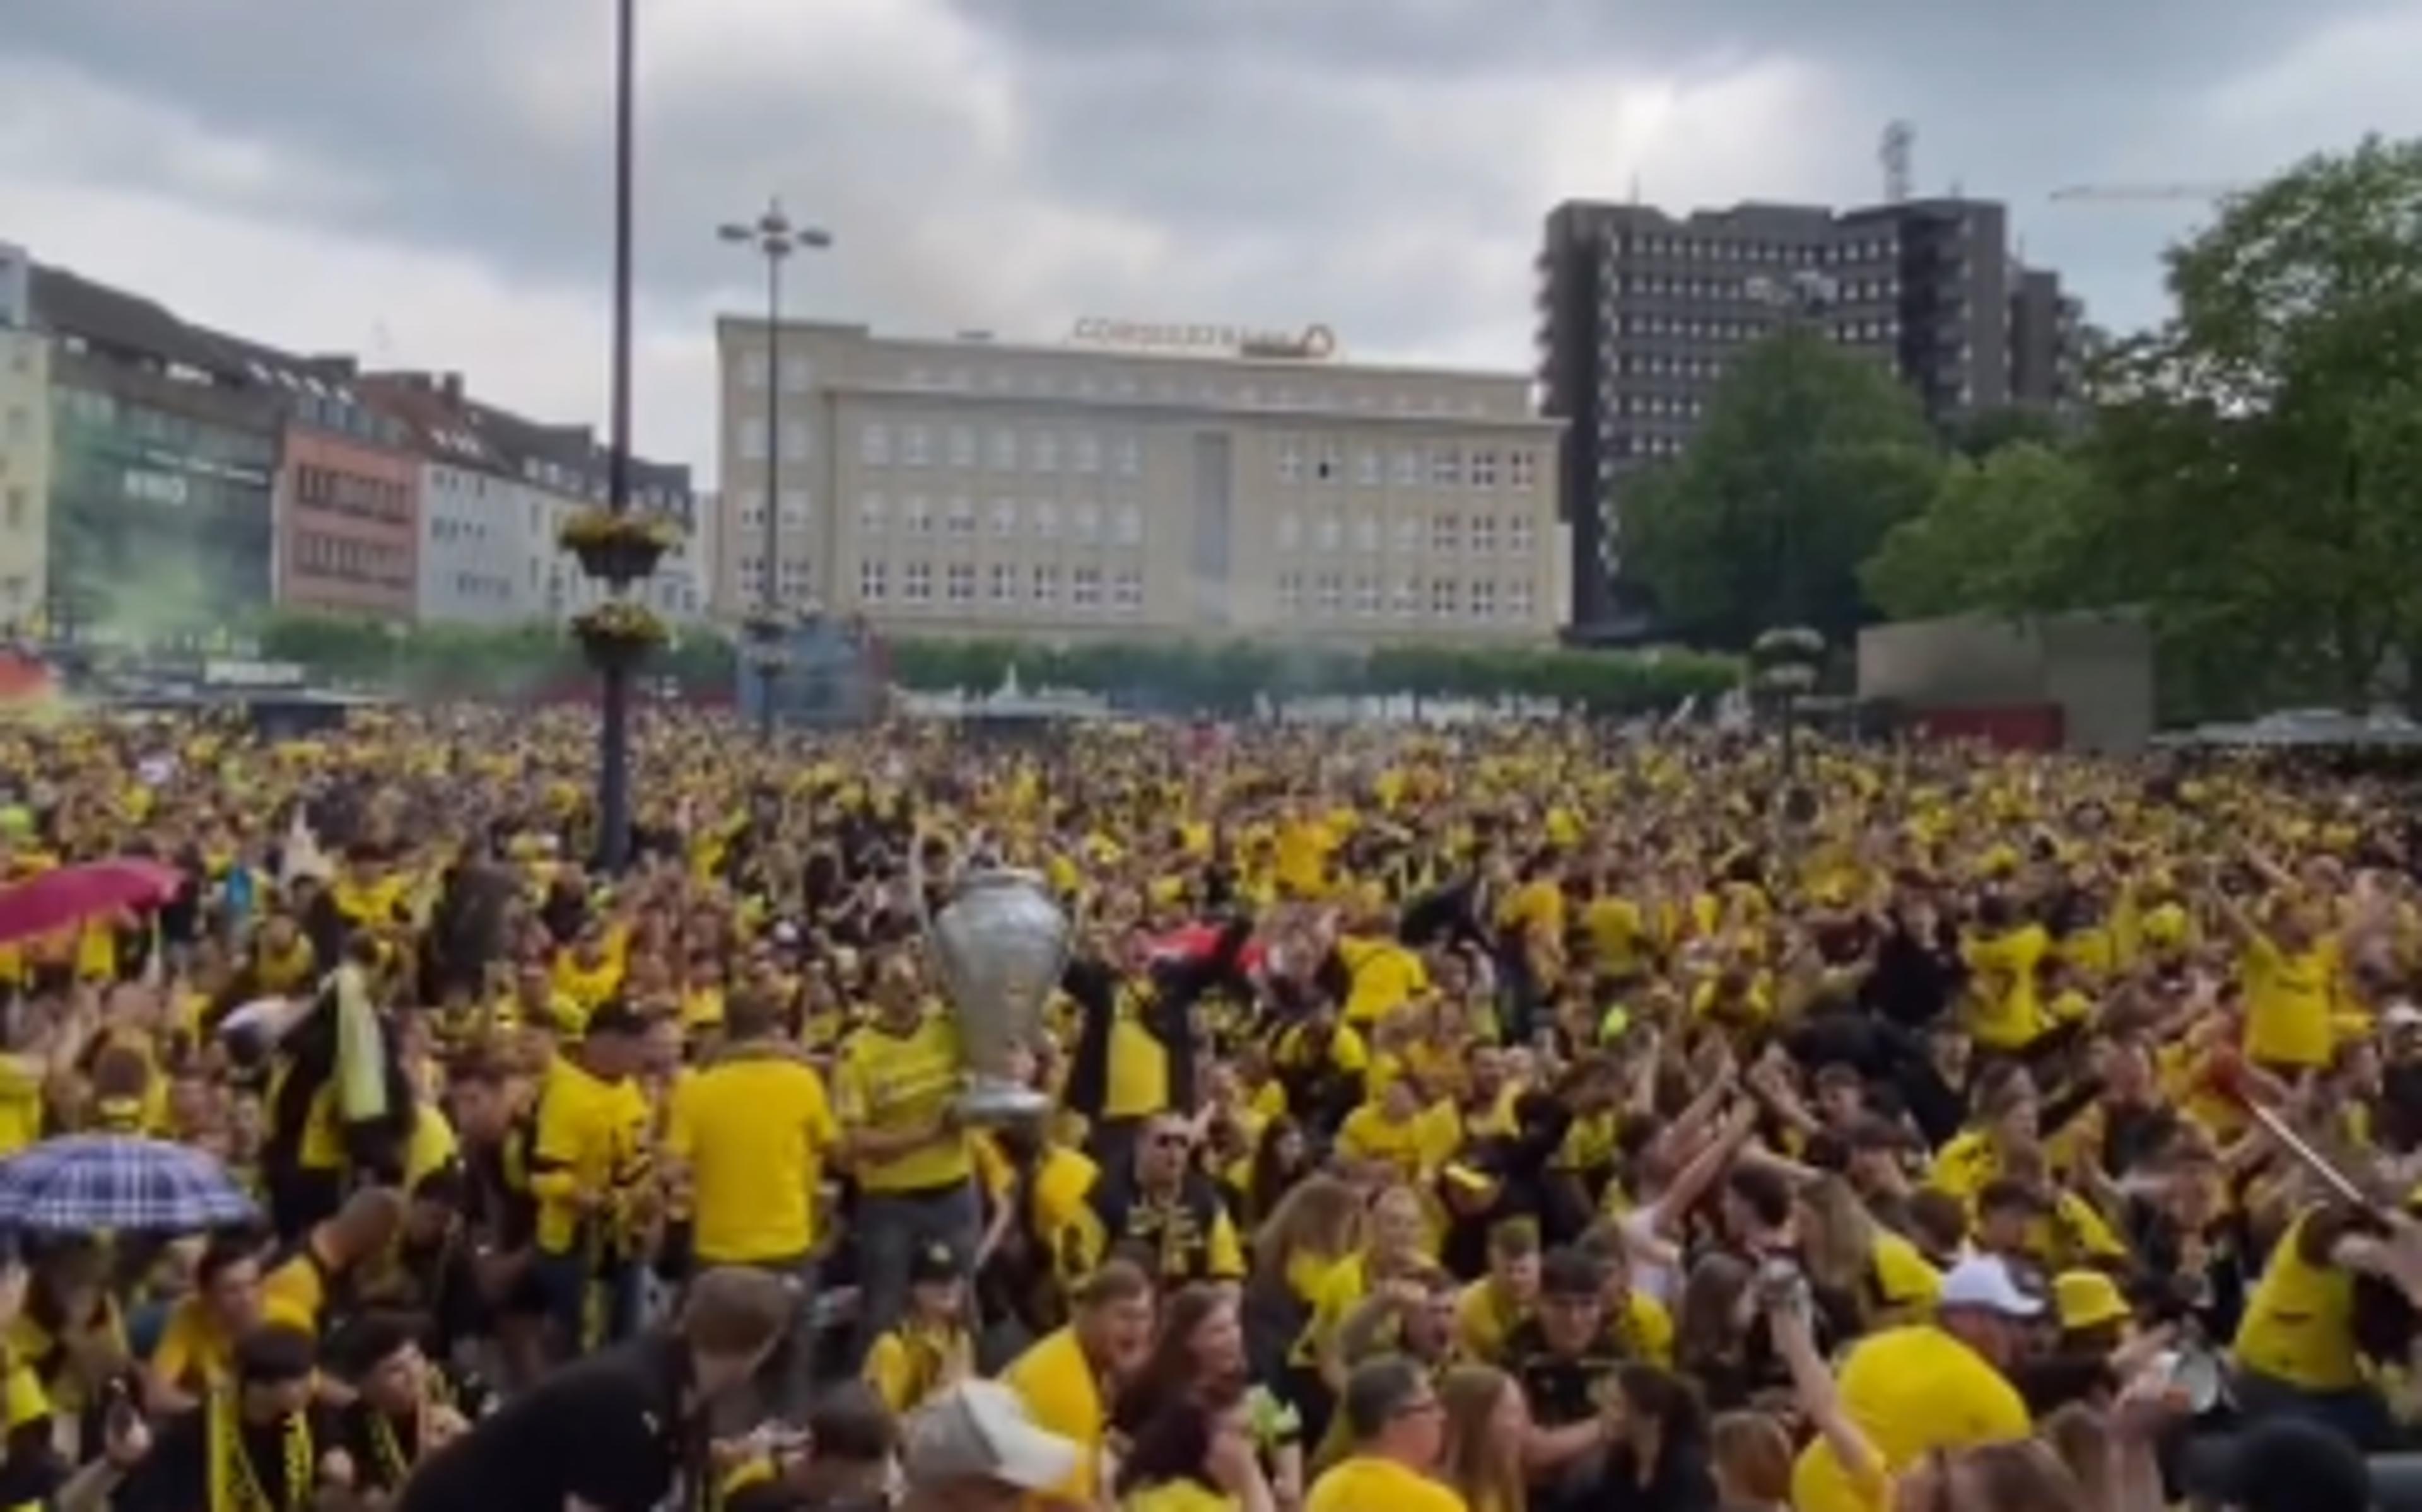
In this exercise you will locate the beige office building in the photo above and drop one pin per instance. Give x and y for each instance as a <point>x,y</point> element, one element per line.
<point>974,488</point>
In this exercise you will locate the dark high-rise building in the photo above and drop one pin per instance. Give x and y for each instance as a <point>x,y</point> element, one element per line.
<point>1640,313</point>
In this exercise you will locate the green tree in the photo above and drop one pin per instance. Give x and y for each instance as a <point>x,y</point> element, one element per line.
<point>1808,457</point>
<point>1999,536</point>
<point>2262,446</point>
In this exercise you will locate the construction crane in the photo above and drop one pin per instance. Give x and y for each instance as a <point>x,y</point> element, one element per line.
<point>2144,193</point>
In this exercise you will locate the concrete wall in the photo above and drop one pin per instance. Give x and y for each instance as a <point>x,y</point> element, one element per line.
<point>2097,669</point>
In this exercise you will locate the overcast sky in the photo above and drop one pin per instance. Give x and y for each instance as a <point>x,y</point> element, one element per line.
<point>426,182</point>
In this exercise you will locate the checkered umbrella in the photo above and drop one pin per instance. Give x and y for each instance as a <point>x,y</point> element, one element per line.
<point>82,1182</point>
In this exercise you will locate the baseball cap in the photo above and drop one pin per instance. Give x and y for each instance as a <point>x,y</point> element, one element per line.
<point>931,1263</point>
<point>2402,1014</point>
<point>1984,1282</point>
<point>980,1430</point>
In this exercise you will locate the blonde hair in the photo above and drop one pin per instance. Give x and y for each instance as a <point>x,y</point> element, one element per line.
<point>1319,1215</point>
<point>1480,1465</point>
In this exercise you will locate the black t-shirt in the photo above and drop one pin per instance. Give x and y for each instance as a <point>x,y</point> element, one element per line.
<point>608,1429</point>
<point>176,1474</point>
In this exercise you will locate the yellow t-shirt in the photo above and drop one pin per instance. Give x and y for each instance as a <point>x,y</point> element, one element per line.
<point>1363,1483</point>
<point>1178,1496</point>
<point>755,1134</point>
<point>2289,1002</point>
<point>2299,1325</point>
<point>21,1102</point>
<point>1062,1395</point>
<point>1368,1135</point>
<point>2005,1012</point>
<point>591,1134</point>
<point>893,1082</point>
<point>908,1363</point>
<point>1910,1391</point>
<point>1385,975</point>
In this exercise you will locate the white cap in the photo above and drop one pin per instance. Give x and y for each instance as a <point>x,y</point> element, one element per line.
<point>980,1430</point>
<point>1984,1282</point>
<point>2400,1015</point>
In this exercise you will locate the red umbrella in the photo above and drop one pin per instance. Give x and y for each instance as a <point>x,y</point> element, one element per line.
<point>72,894</point>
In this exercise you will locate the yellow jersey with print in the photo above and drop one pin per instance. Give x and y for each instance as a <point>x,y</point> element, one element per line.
<point>1064,1396</point>
<point>894,1083</point>
<point>2291,998</point>
<point>1368,1484</point>
<point>2299,1324</point>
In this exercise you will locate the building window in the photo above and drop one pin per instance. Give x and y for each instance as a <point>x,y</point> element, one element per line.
<point>1127,590</point>
<point>1409,468</point>
<point>917,582</point>
<point>1519,599</point>
<point>1366,467</point>
<point>1046,520</point>
<point>798,375</point>
<point>918,515</point>
<point>1366,596</point>
<point>1521,535</point>
<point>795,507</point>
<point>1483,601</point>
<point>961,521</point>
<point>872,514</point>
<point>753,441</point>
<point>1046,582</point>
<point>1446,533</point>
<point>1329,590</point>
<point>916,447</point>
<point>1409,532</point>
<point>963,446</point>
<point>795,441</point>
<point>752,370</point>
<point>1291,593</point>
<point>1085,523</point>
<point>1047,452</point>
<point>1290,461</point>
<point>1002,450</point>
<point>1004,519</point>
<point>1366,533</point>
<point>1446,466</point>
<point>875,445</point>
<point>1290,533</point>
<point>1126,457</point>
<point>1001,587</point>
<point>1127,525</point>
<point>1405,598</point>
<point>1484,534</point>
<point>1326,532</point>
<point>1330,465</point>
<point>1484,469</point>
<point>1442,598</point>
<point>1085,587</point>
<point>959,583</point>
<point>1085,452</point>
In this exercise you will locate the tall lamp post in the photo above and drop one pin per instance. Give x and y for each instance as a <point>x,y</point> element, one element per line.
<point>614,725</point>
<point>775,239</point>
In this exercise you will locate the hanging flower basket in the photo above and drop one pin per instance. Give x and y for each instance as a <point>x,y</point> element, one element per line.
<point>618,546</point>
<point>618,633</point>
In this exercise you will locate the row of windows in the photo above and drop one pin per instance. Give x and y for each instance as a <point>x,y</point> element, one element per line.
<point>1005,450</point>
<point>1328,594</point>
<point>1087,586</point>
<point>1002,519</point>
<point>1715,249</point>
<point>1446,533</point>
<point>1645,446</point>
<point>350,494</point>
<point>484,586</point>
<point>1755,286</point>
<point>448,528</point>
<point>1444,466</point>
<point>353,561</point>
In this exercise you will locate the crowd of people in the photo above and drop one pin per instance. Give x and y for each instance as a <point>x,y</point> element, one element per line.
<point>1532,1118</point>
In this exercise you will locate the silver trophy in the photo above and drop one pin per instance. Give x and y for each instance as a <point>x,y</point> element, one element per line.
<point>999,944</point>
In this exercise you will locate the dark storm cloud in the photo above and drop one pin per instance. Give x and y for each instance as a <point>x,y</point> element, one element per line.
<point>1229,157</point>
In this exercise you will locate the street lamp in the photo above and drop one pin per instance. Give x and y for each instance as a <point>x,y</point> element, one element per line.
<point>775,239</point>
<point>614,692</point>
